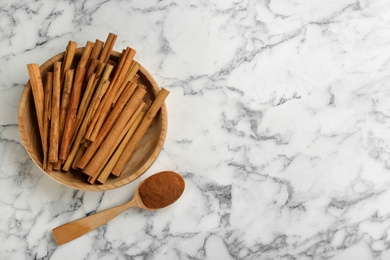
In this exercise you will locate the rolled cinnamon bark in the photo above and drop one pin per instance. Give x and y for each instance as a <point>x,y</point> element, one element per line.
<point>125,138</point>
<point>46,118</point>
<point>129,77</point>
<point>111,146</point>
<point>68,59</point>
<point>74,102</point>
<point>125,107</point>
<point>70,160</point>
<point>85,102</point>
<point>67,89</point>
<point>38,94</point>
<point>112,90</point>
<point>108,46</point>
<point>97,48</point>
<point>55,114</point>
<point>147,120</point>
<point>100,92</point>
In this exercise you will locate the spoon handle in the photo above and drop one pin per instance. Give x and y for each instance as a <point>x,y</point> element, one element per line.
<point>77,228</point>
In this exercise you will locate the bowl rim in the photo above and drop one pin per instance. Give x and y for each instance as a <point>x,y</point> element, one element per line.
<point>87,186</point>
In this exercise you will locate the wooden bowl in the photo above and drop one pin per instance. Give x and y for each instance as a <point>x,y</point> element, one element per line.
<point>144,156</point>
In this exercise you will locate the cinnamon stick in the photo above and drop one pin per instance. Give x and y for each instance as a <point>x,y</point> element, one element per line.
<point>124,69</point>
<point>82,128</point>
<point>120,64</point>
<point>103,109</point>
<point>113,89</point>
<point>100,67</point>
<point>67,90</point>
<point>64,107</point>
<point>101,90</point>
<point>91,69</point>
<point>114,159</point>
<point>97,48</point>
<point>38,94</point>
<point>55,114</point>
<point>86,54</point>
<point>48,94</point>
<point>74,102</point>
<point>46,117</point>
<point>95,108</point>
<point>130,76</point>
<point>125,103</point>
<point>97,111</point>
<point>128,125</point>
<point>79,154</point>
<point>105,169</point>
<point>147,120</point>
<point>93,60</point>
<point>72,156</point>
<point>108,46</point>
<point>68,58</point>
<point>85,102</point>
<point>84,122</point>
<point>113,138</point>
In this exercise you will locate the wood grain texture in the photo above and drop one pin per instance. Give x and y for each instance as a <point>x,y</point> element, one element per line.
<point>174,185</point>
<point>77,228</point>
<point>146,152</point>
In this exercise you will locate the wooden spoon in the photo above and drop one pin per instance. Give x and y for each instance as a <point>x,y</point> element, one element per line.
<point>166,182</point>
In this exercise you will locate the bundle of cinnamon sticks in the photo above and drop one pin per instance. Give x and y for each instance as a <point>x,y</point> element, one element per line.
<point>92,116</point>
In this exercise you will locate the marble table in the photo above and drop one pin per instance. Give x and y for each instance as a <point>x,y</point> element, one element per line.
<point>279,121</point>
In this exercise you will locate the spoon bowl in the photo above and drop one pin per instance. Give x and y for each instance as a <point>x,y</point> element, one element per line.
<point>167,181</point>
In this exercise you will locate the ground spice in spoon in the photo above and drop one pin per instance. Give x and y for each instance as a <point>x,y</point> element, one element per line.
<point>161,190</point>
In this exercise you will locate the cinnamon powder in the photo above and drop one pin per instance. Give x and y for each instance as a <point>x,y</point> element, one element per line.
<point>161,189</point>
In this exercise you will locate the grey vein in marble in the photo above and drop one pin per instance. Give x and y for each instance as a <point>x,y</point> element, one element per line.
<point>278,120</point>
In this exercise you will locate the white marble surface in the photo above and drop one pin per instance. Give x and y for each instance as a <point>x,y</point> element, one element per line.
<point>279,120</point>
